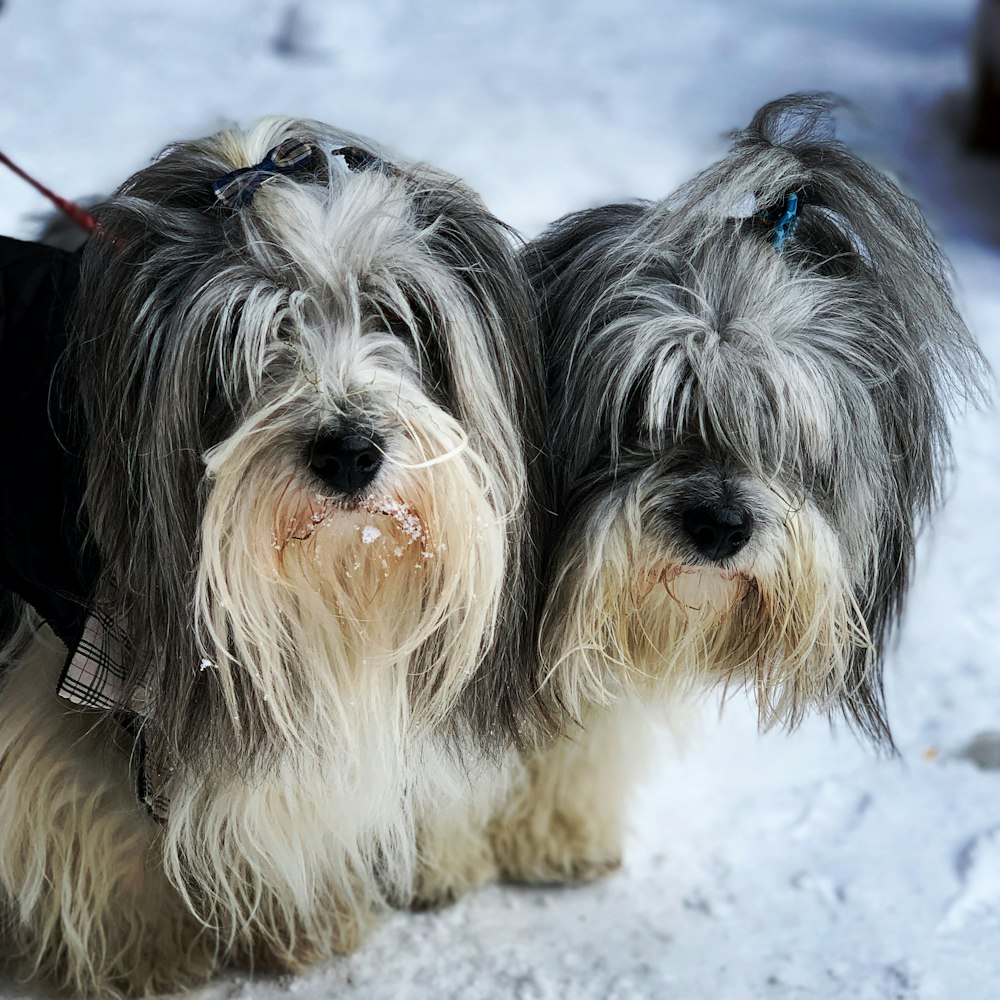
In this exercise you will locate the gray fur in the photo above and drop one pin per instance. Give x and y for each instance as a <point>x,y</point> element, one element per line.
<point>684,354</point>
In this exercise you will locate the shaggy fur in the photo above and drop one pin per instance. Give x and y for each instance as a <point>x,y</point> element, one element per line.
<point>747,441</point>
<point>318,668</point>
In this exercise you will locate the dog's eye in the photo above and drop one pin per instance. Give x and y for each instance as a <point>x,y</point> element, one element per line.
<point>408,328</point>
<point>817,480</point>
<point>396,325</point>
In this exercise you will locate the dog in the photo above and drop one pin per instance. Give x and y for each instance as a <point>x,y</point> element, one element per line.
<point>306,404</point>
<point>749,384</point>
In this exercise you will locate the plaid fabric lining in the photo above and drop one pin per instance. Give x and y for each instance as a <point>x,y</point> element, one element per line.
<point>94,677</point>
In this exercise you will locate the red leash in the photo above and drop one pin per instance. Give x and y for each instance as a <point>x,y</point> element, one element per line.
<point>80,216</point>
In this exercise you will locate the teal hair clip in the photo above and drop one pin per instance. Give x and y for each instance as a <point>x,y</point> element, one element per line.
<point>782,220</point>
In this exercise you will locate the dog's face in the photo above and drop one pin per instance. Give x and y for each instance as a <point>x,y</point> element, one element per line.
<point>308,485</point>
<point>746,441</point>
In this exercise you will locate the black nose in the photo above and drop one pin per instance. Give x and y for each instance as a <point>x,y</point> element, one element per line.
<point>347,461</point>
<point>718,530</point>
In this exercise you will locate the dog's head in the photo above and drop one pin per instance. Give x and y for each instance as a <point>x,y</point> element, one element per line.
<point>305,396</point>
<point>749,395</point>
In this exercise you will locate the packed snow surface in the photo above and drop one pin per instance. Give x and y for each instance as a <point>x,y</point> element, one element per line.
<point>759,867</point>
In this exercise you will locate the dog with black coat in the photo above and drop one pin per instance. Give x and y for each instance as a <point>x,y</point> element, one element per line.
<point>296,492</point>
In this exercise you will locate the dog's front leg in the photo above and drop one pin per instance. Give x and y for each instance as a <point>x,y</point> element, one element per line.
<point>564,821</point>
<point>454,848</point>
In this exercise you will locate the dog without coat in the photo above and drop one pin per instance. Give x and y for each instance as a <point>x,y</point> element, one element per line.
<point>304,389</point>
<point>748,390</point>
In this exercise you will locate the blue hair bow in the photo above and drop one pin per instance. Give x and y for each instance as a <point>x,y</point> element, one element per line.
<point>782,220</point>
<point>236,188</point>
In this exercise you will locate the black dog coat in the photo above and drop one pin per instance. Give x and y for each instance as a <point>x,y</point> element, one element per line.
<point>42,535</point>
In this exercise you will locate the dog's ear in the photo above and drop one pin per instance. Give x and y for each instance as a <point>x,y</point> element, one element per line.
<point>569,267</point>
<point>563,257</point>
<point>474,245</point>
<point>855,223</point>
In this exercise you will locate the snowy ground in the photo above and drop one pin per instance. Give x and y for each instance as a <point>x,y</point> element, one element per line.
<point>760,867</point>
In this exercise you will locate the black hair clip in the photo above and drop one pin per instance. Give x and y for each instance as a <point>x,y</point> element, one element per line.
<point>358,159</point>
<point>236,188</point>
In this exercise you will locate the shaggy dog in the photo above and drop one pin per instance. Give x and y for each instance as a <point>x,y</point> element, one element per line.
<point>748,388</point>
<point>303,396</point>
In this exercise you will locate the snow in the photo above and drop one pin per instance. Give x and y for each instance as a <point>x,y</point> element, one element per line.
<point>407,520</point>
<point>759,867</point>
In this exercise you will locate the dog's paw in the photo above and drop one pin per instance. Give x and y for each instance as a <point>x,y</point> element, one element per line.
<point>349,934</point>
<point>559,869</point>
<point>429,899</point>
<point>556,852</point>
<point>455,859</point>
<point>305,951</point>
<point>577,870</point>
<point>437,888</point>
